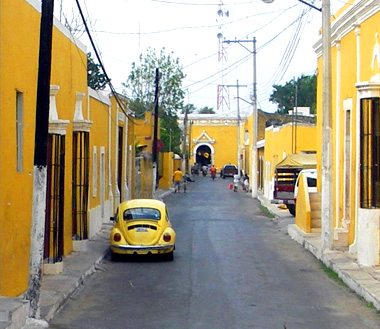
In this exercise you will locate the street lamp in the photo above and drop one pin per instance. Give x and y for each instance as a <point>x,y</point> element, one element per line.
<point>326,209</point>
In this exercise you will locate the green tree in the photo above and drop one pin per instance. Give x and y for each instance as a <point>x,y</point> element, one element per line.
<point>190,108</point>
<point>285,96</point>
<point>207,110</point>
<point>140,89</point>
<point>95,78</point>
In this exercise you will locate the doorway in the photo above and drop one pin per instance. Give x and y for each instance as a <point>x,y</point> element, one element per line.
<point>203,157</point>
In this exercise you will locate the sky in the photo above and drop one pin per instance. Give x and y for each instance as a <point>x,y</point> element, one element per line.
<point>197,33</point>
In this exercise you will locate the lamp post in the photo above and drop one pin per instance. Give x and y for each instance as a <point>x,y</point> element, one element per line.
<point>326,209</point>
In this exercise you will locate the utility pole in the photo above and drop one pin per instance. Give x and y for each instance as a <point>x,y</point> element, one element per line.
<point>253,177</point>
<point>185,164</point>
<point>40,158</point>
<point>327,194</point>
<point>238,122</point>
<point>155,133</point>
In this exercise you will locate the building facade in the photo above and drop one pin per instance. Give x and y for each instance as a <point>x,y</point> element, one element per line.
<point>90,147</point>
<point>355,54</point>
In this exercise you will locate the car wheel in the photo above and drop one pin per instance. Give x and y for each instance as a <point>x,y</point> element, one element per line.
<point>292,209</point>
<point>115,257</point>
<point>169,256</point>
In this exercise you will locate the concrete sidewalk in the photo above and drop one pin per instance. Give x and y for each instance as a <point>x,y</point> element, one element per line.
<point>364,281</point>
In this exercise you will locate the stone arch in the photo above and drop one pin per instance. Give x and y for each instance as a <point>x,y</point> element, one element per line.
<point>201,146</point>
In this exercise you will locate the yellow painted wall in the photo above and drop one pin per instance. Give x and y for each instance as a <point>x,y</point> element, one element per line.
<point>348,79</point>
<point>225,146</point>
<point>144,131</point>
<point>166,180</point>
<point>303,211</point>
<point>15,187</point>
<point>69,72</point>
<point>19,72</point>
<point>279,142</point>
<point>99,138</point>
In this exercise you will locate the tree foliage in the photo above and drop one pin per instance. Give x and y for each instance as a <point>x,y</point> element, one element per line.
<point>141,81</point>
<point>190,108</point>
<point>95,78</point>
<point>140,89</point>
<point>285,96</point>
<point>207,110</point>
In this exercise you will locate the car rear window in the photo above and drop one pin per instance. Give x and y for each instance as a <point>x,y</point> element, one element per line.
<point>311,182</point>
<point>142,213</point>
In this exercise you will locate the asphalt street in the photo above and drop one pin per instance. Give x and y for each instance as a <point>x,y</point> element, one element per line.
<point>234,267</point>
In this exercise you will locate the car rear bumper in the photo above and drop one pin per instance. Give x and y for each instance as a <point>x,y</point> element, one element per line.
<point>128,249</point>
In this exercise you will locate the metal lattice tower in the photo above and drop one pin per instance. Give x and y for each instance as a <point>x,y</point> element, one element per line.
<point>223,98</point>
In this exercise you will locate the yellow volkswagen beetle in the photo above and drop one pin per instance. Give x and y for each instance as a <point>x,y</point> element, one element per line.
<point>142,227</point>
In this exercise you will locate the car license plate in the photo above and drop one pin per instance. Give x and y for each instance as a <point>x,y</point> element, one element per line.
<point>141,229</point>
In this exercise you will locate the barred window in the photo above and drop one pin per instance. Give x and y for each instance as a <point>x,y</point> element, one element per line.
<point>369,152</point>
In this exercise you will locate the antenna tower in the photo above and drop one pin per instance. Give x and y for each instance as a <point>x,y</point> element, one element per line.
<point>223,97</point>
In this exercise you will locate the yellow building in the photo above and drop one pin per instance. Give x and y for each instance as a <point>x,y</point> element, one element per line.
<point>355,202</point>
<point>90,147</point>
<point>280,141</point>
<point>213,139</point>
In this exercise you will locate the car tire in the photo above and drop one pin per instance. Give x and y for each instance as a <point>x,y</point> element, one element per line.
<point>292,209</point>
<point>169,256</point>
<point>115,257</point>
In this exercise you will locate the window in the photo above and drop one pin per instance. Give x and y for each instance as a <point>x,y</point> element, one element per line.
<point>19,129</point>
<point>80,185</point>
<point>369,152</point>
<point>142,213</point>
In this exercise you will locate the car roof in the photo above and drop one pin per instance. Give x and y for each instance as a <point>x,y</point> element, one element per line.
<point>310,173</point>
<point>146,203</point>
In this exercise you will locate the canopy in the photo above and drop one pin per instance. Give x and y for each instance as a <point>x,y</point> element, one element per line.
<point>300,160</point>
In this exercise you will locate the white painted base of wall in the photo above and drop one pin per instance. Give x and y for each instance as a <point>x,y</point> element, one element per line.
<point>53,269</point>
<point>268,189</point>
<point>368,237</point>
<point>80,245</point>
<point>96,219</point>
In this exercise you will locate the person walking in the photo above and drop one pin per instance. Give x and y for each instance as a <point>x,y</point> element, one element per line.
<point>177,177</point>
<point>236,182</point>
<point>246,183</point>
<point>213,172</point>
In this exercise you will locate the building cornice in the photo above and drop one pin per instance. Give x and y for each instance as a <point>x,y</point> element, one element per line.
<point>351,18</point>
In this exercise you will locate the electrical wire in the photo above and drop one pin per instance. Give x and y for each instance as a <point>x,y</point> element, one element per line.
<point>116,95</point>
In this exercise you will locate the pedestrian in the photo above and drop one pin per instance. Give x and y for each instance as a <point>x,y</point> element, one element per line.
<point>236,182</point>
<point>187,178</point>
<point>213,172</point>
<point>177,177</point>
<point>246,183</point>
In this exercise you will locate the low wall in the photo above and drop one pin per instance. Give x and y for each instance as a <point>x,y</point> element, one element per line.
<point>303,211</point>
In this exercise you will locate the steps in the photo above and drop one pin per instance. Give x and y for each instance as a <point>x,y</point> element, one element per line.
<point>315,207</point>
<point>13,312</point>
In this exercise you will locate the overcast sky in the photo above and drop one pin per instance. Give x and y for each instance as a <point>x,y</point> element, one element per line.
<point>285,32</point>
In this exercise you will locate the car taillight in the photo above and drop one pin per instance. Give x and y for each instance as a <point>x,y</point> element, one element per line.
<point>117,237</point>
<point>167,237</point>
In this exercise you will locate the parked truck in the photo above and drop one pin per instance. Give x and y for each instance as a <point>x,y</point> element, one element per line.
<point>285,177</point>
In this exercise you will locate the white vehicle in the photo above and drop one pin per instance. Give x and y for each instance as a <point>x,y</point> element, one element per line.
<point>311,176</point>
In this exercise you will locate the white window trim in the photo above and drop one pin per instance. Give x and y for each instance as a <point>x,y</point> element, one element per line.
<point>94,171</point>
<point>19,129</point>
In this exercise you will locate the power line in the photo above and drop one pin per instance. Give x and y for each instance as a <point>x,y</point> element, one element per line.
<point>116,95</point>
